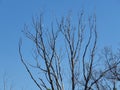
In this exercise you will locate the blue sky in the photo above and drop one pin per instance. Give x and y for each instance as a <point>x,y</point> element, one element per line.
<point>15,13</point>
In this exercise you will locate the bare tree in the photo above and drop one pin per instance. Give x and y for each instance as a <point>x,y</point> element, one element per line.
<point>5,84</point>
<point>78,45</point>
<point>112,60</point>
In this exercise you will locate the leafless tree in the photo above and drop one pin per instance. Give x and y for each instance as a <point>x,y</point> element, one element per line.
<point>112,60</point>
<point>5,84</point>
<point>66,50</point>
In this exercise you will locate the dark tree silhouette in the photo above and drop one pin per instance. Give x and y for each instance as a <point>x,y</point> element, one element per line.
<point>67,52</point>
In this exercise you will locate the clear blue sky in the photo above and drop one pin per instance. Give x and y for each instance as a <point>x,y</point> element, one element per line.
<point>15,13</point>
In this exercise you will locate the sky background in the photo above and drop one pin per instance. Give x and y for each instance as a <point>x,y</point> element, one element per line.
<point>15,13</point>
